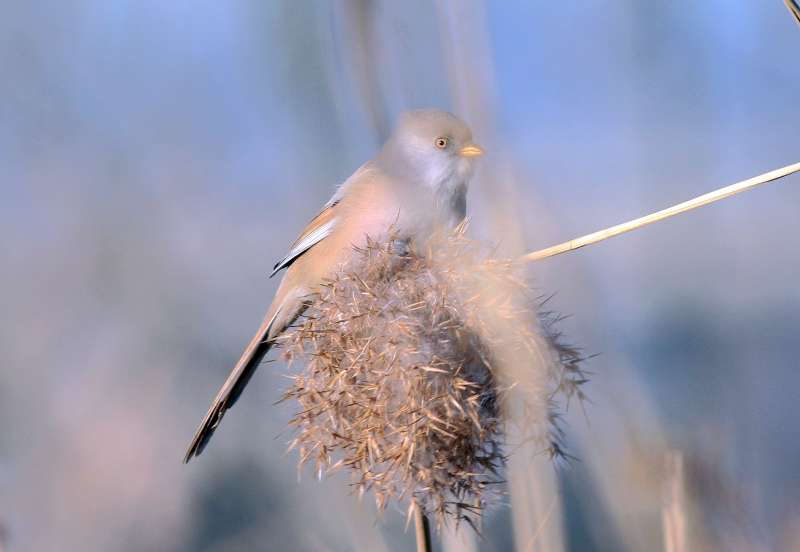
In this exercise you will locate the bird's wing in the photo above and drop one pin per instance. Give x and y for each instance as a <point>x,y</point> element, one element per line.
<point>317,230</point>
<point>321,225</point>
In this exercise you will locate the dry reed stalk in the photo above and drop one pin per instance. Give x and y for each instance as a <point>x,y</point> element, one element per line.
<point>412,355</point>
<point>422,528</point>
<point>624,227</point>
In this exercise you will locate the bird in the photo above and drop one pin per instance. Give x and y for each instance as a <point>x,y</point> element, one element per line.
<point>415,184</point>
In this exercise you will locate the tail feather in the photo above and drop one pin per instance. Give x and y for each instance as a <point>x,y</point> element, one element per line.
<point>236,382</point>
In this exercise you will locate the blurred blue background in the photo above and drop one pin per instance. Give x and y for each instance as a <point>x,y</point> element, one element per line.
<point>157,157</point>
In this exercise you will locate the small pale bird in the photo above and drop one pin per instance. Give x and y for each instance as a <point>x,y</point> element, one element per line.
<point>416,183</point>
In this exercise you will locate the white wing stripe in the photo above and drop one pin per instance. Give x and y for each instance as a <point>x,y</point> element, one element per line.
<point>304,245</point>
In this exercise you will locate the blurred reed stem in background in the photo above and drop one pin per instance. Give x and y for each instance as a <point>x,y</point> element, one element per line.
<point>673,514</point>
<point>536,509</point>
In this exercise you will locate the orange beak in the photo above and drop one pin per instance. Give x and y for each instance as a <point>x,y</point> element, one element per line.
<point>471,150</point>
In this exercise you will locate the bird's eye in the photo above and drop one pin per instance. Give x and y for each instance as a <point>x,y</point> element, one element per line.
<point>441,142</point>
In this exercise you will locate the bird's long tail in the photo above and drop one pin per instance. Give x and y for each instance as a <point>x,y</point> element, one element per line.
<point>274,323</point>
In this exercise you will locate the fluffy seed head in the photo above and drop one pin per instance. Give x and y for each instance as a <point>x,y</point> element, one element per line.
<point>416,358</point>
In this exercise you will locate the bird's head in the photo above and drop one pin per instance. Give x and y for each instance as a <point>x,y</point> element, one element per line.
<point>432,147</point>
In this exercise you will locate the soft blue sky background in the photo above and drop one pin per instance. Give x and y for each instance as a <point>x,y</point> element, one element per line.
<point>157,157</point>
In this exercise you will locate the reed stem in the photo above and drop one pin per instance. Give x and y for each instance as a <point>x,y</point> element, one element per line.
<point>634,224</point>
<point>423,531</point>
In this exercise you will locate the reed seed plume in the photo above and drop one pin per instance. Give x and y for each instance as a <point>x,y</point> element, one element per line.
<point>412,354</point>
